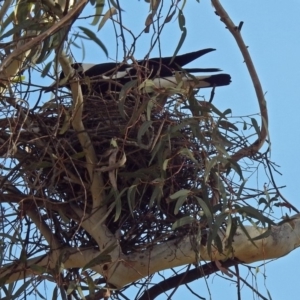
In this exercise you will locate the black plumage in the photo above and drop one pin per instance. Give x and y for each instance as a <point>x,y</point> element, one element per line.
<point>111,77</point>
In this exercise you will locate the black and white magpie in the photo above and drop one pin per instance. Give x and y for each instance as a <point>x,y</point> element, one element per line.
<point>107,77</point>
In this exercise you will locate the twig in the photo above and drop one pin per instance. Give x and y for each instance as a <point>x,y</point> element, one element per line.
<point>5,8</point>
<point>255,147</point>
<point>44,229</point>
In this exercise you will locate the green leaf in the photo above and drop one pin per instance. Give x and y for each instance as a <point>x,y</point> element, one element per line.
<point>179,203</point>
<point>246,232</point>
<point>219,221</point>
<point>170,16</point>
<point>156,194</point>
<point>131,198</point>
<point>114,4</point>
<point>143,129</point>
<point>154,4</point>
<point>263,201</point>
<point>127,87</point>
<point>189,154</point>
<point>147,86</point>
<point>80,292</point>
<point>22,289</point>
<point>3,281</point>
<point>165,164</point>
<point>26,25</point>
<point>206,210</point>
<point>181,20</point>
<point>22,10</point>
<point>43,54</point>
<point>218,112</point>
<point>221,142</point>
<point>94,38</point>
<point>238,196</point>
<point>255,125</point>
<point>183,221</point>
<point>211,163</point>
<point>55,294</point>
<point>236,167</point>
<point>218,243</point>
<point>227,125</point>
<point>112,11</point>
<point>71,287</point>
<point>46,69</point>
<point>227,112</point>
<point>63,293</point>
<point>148,22</point>
<point>102,258</point>
<point>119,203</point>
<point>8,21</point>
<point>263,235</point>
<point>38,269</point>
<point>181,193</point>
<point>91,285</point>
<point>150,106</point>
<point>255,213</point>
<point>99,9</point>
<point>230,231</point>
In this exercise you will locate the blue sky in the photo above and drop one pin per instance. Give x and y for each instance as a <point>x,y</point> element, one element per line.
<point>272,31</point>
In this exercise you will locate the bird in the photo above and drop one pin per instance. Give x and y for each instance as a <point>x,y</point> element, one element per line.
<point>112,76</point>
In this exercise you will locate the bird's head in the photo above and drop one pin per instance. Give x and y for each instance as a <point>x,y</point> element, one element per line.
<point>80,69</point>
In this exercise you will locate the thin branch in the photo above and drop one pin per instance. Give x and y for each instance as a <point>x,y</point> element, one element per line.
<point>44,229</point>
<point>235,31</point>
<point>288,204</point>
<point>33,201</point>
<point>5,8</point>
<point>185,278</point>
<point>248,285</point>
<point>75,258</point>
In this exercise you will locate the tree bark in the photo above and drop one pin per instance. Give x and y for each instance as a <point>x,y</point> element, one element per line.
<point>124,269</point>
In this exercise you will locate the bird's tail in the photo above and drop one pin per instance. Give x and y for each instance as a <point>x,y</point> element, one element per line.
<point>194,81</point>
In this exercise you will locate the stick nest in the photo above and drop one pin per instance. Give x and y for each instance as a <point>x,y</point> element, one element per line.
<point>153,154</point>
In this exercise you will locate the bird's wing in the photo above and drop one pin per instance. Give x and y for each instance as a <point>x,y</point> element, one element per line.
<point>179,60</point>
<point>159,66</point>
<point>200,70</point>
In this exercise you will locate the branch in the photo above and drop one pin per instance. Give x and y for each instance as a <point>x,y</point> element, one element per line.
<point>4,8</point>
<point>89,221</point>
<point>100,233</point>
<point>185,278</point>
<point>75,258</point>
<point>44,229</point>
<point>282,239</point>
<point>30,202</point>
<point>235,31</point>
<point>125,269</point>
<point>97,186</point>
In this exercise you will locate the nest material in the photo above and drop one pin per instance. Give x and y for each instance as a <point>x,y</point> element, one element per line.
<point>165,152</point>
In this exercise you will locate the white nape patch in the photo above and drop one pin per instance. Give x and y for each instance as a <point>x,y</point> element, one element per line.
<point>86,67</point>
<point>120,74</point>
<point>170,81</point>
<point>165,82</point>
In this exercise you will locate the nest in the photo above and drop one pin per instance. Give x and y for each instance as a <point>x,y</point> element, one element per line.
<point>160,147</point>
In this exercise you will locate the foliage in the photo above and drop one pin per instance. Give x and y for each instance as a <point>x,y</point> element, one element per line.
<point>162,163</point>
